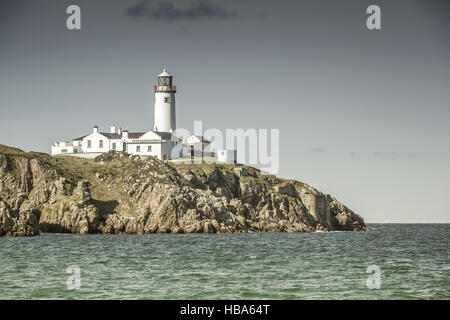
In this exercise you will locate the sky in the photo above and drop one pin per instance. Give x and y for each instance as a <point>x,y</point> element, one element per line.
<point>362,114</point>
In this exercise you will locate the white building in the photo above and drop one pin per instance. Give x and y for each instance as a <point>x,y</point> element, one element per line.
<point>198,146</point>
<point>160,143</point>
<point>227,156</point>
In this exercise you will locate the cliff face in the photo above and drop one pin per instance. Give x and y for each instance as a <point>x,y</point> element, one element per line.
<point>119,193</point>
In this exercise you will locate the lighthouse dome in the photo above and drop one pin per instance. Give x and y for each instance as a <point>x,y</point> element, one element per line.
<point>164,74</point>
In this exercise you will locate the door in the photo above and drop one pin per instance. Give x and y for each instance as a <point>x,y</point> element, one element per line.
<point>125,147</point>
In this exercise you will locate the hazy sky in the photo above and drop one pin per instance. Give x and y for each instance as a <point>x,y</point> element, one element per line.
<point>363,115</point>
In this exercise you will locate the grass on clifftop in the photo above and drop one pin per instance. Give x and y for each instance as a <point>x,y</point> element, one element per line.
<point>200,165</point>
<point>77,169</point>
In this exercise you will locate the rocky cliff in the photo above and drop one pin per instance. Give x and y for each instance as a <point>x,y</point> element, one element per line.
<point>118,193</point>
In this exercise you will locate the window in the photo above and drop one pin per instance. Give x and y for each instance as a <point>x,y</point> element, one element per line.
<point>114,146</point>
<point>64,151</point>
<point>166,99</point>
<point>100,144</point>
<point>138,148</point>
<point>163,81</point>
<point>149,149</point>
<point>89,143</point>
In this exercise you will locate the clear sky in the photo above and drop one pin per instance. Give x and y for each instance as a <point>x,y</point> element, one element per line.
<point>363,115</point>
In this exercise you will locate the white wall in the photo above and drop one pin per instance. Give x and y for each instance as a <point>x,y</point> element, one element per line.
<point>118,142</point>
<point>84,155</point>
<point>155,149</point>
<point>66,147</point>
<point>159,147</point>
<point>226,156</point>
<point>61,149</point>
<point>95,143</point>
<point>150,135</point>
<point>164,112</point>
<point>193,140</point>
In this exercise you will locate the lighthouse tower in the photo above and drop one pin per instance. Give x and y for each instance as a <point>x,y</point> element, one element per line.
<point>165,103</point>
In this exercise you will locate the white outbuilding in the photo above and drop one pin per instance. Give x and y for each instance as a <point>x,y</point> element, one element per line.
<point>227,156</point>
<point>198,146</point>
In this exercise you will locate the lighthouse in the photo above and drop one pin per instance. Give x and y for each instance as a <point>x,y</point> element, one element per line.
<point>165,103</point>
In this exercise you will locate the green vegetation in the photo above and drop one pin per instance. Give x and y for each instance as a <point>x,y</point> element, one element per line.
<point>199,166</point>
<point>109,174</point>
<point>250,179</point>
<point>11,151</point>
<point>300,186</point>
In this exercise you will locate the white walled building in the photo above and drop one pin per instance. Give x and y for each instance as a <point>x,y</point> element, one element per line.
<point>161,142</point>
<point>163,145</point>
<point>158,144</point>
<point>227,156</point>
<point>197,146</point>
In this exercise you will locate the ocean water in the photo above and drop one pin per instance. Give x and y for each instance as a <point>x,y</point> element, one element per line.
<point>412,259</point>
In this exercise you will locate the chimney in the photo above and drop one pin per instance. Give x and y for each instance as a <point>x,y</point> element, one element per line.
<point>95,129</point>
<point>119,130</point>
<point>125,134</point>
<point>113,128</point>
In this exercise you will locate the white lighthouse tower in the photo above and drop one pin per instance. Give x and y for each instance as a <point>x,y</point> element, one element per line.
<point>165,103</point>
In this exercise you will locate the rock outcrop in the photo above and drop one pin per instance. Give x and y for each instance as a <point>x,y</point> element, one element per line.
<point>119,193</point>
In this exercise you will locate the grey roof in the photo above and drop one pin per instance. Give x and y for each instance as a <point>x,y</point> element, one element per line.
<point>131,135</point>
<point>164,135</point>
<point>135,135</point>
<point>80,138</point>
<point>111,135</point>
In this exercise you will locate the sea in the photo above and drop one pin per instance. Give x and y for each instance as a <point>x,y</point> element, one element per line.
<point>391,261</point>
